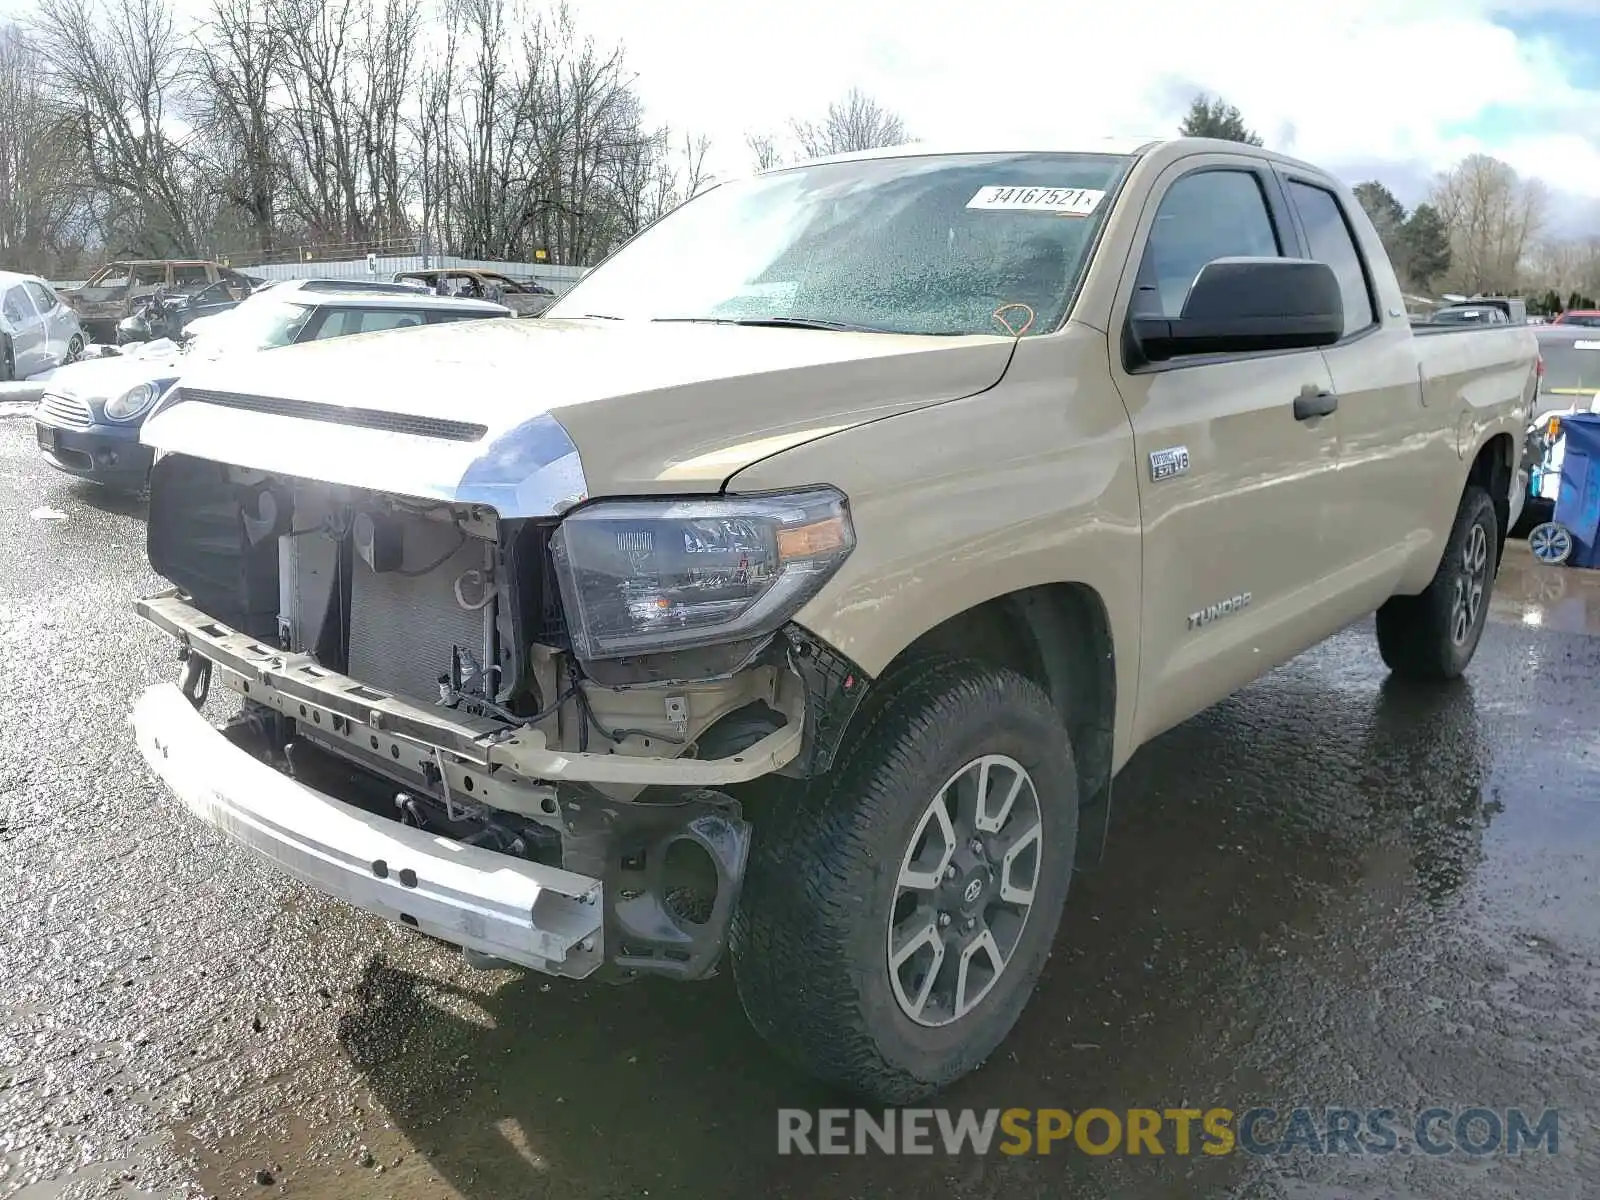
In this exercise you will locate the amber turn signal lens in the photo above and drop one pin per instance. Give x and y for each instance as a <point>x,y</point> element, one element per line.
<point>808,541</point>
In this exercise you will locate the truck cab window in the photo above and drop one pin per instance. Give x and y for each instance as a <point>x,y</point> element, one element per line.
<point>1203,216</point>
<point>1332,243</point>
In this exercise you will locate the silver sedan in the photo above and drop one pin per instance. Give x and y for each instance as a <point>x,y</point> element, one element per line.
<point>37,330</point>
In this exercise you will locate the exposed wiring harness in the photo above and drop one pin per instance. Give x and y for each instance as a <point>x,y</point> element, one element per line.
<point>413,572</point>
<point>615,735</point>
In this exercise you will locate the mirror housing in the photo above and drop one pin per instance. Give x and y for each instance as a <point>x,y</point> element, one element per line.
<point>1240,305</point>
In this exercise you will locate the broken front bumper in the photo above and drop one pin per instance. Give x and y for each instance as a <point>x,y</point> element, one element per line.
<point>506,908</point>
<point>614,852</point>
<point>297,686</point>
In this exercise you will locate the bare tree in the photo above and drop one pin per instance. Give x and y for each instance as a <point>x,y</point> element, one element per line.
<point>695,176</point>
<point>122,72</point>
<point>345,72</point>
<point>1493,217</point>
<point>387,53</point>
<point>857,122</point>
<point>321,121</point>
<point>431,139</point>
<point>39,162</point>
<point>240,56</point>
<point>764,150</point>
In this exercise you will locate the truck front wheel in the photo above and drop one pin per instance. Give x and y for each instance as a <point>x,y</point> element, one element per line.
<point>1433,636</point>
<point>897,913</point>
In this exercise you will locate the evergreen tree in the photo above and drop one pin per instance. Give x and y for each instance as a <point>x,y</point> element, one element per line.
<point>1427,243</point>
<point>1213,117</point>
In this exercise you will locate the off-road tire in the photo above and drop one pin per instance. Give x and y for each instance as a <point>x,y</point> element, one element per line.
<point>809,943</point>
<point>1414,632</point>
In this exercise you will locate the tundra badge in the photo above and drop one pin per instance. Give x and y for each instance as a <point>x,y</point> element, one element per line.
<point>1169,463</point>
<point>1225,608</point>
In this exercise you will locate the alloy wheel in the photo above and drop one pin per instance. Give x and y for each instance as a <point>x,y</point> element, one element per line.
<point>965,887</point>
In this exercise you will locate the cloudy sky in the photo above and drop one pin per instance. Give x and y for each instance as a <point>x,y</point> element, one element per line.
<point>1396,89</point>
<point>1392,89</point>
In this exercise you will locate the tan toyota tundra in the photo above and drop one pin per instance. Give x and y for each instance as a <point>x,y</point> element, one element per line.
<point>796,587</point>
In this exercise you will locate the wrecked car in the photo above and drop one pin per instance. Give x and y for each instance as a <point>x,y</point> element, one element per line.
<point>116,291</point>
<point>525,297</point>
<point>791,593</point>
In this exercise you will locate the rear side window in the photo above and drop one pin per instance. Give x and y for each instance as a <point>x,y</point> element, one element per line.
<point>42,296</point>
<point>439,318</point>
<point>186,278</point>
<point>1203,216</point>
<point>115,276</point>
<point>16,306</point>
<point>1332,242</point>
<point>347,321</point>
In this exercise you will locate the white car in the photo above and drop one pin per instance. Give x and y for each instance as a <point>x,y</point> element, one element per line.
<point>286,288</point>
<point>37,330</point>
<point>89,417</point>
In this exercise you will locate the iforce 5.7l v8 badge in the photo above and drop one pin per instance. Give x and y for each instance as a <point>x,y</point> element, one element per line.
<point>1169,463</point>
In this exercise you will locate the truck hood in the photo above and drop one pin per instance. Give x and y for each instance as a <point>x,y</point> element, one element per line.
<point>529,416</point>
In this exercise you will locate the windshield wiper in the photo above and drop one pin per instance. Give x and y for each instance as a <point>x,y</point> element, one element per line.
<point>782,323</point>
<point>599,317</point>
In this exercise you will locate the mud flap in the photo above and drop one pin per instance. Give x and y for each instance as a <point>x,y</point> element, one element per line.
<point>1094,826</point>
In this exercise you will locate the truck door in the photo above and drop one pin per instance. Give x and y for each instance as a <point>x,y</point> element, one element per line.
<point>1393,452</point>
<point>1234,489</point>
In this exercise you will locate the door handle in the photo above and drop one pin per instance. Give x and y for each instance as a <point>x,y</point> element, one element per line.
<point>1319,404</point>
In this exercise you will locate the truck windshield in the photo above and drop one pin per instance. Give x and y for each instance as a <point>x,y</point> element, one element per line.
<point>930,244</point>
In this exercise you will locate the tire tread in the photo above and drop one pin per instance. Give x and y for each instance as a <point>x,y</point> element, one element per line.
<point>791,961</point>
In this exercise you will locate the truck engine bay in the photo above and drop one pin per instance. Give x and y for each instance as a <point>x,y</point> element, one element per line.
<point>423,662</point>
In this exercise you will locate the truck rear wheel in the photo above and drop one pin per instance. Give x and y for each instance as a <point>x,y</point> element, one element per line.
<point>897,913</point>
<point>1433,636</point>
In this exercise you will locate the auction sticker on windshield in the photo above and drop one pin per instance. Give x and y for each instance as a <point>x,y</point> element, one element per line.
<point>1064,202</point>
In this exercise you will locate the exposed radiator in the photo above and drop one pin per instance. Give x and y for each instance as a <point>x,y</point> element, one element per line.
<point>402,627</point>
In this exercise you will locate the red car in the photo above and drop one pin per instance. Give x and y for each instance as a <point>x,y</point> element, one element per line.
<point>1589,318</point>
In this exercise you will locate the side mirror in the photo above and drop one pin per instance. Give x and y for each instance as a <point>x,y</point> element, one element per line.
<point>1237,305</point>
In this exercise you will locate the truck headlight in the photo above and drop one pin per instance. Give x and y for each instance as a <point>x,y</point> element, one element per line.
<point>646,577</point>
<point>131,403</point>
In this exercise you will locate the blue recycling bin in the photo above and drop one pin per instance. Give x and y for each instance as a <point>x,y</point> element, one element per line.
<point>1578,503</point>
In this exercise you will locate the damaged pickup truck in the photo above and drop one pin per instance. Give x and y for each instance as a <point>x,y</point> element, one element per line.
<point>794,589</point>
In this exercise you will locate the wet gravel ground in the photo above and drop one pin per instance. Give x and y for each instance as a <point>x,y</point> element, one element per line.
<point>1328,891</point>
